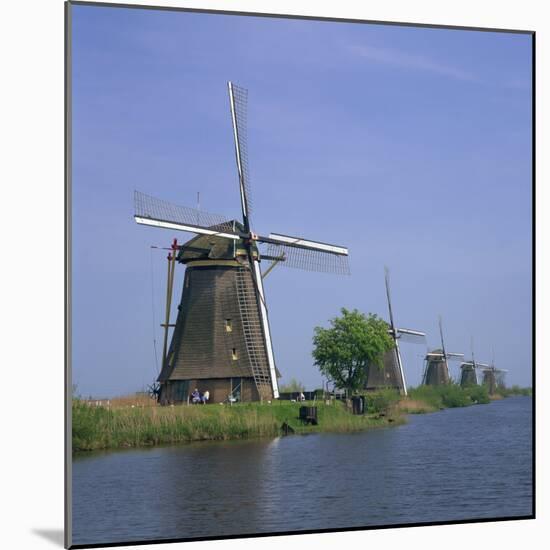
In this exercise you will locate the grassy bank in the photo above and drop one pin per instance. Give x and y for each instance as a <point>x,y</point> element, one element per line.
<point>433,398</point>
<point>514,390</point>
<point>112,425</point>
<point>136,421</point>
<point>424,399</point>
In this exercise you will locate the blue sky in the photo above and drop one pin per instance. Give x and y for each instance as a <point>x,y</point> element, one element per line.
<point>410,146</point>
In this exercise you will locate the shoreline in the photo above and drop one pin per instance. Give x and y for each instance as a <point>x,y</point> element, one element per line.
<point>102,428</point>
<point>140,423</point>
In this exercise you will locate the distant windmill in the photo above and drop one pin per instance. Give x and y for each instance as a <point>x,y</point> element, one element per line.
<point>468,374</point>
<point>493,378</point>
<point>436,371</point>
<point>392,374</point>
<point>222,339</point>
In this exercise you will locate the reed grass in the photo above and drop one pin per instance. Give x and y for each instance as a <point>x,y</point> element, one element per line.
<point>134,421</point>
<point>130,425</point>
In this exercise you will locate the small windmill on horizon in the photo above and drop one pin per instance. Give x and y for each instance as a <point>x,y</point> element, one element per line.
<point>493,378</point>
<point>222,340</point>
<point>392,374</point>
<point>436,371</point>
<point>468,373</point>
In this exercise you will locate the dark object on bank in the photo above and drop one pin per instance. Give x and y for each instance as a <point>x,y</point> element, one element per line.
<point>358,405</point>
<point>287,428</point>
<point>308,415</point>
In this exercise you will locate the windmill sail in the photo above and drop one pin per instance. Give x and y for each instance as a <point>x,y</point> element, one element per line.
<point>411,336</point>
<point>238,99</point>
<point>309,259</point>
<point>450,356</point>
<point>159,213</point>
<point>261,335</point>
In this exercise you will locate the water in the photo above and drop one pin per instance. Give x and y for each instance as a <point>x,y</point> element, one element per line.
<point>467,463</point>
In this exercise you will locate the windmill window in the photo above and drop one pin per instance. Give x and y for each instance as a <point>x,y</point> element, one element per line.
<point>234,354</point>
<point>228,325</point>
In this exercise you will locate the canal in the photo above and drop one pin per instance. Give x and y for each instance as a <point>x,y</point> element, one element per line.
<point>456,464</point>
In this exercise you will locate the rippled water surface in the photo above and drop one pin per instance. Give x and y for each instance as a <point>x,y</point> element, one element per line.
<point>473,462</point>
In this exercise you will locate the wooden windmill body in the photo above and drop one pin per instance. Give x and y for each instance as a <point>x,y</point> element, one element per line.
<point>221,342</point>
<point>468,370</point>
<point>493,378</point>
<point>468,374</point>
<point>436,371</point>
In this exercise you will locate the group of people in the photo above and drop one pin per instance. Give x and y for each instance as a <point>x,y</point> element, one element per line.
<point>200,398</point>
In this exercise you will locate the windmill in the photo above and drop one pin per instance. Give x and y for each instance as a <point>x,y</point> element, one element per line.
<point>493,378</point>
<point>391,374</point>
<point>436,371</point>
<point>468,374</point>
<point>221,340</point>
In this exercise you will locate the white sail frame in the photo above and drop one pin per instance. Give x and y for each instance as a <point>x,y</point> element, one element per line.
<point>267,333</point>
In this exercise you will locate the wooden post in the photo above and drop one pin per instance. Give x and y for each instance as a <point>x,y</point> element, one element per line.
<point>167,313</point>
<point>169,286</point>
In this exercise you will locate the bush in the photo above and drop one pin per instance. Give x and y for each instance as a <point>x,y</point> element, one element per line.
<point>381,401</point>
<point>478,394</point>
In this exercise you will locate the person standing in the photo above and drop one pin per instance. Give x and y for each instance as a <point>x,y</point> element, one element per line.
<point>196,396</point>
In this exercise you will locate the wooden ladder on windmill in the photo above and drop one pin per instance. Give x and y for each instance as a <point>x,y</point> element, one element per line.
<point>253,333</point>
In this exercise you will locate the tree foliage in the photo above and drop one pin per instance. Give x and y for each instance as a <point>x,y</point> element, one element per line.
<point>292,387</point>
<point>353,343</point>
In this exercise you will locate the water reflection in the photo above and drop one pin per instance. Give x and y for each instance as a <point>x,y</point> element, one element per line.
<point>455,464</point>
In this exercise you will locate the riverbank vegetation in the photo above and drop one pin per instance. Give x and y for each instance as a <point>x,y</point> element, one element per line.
<point>449,396</point>
<point>424,399</point>
<point>108,425</point>
<point>135,421</point>
<point>514,390</point>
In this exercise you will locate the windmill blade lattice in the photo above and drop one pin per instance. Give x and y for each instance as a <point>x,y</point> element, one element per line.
<point>239,104</point>
<point>146,206</point>
<point>309,260</point>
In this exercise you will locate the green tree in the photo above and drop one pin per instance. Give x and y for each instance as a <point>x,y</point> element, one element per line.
<point>353,343</point>
<point>292,387</point>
